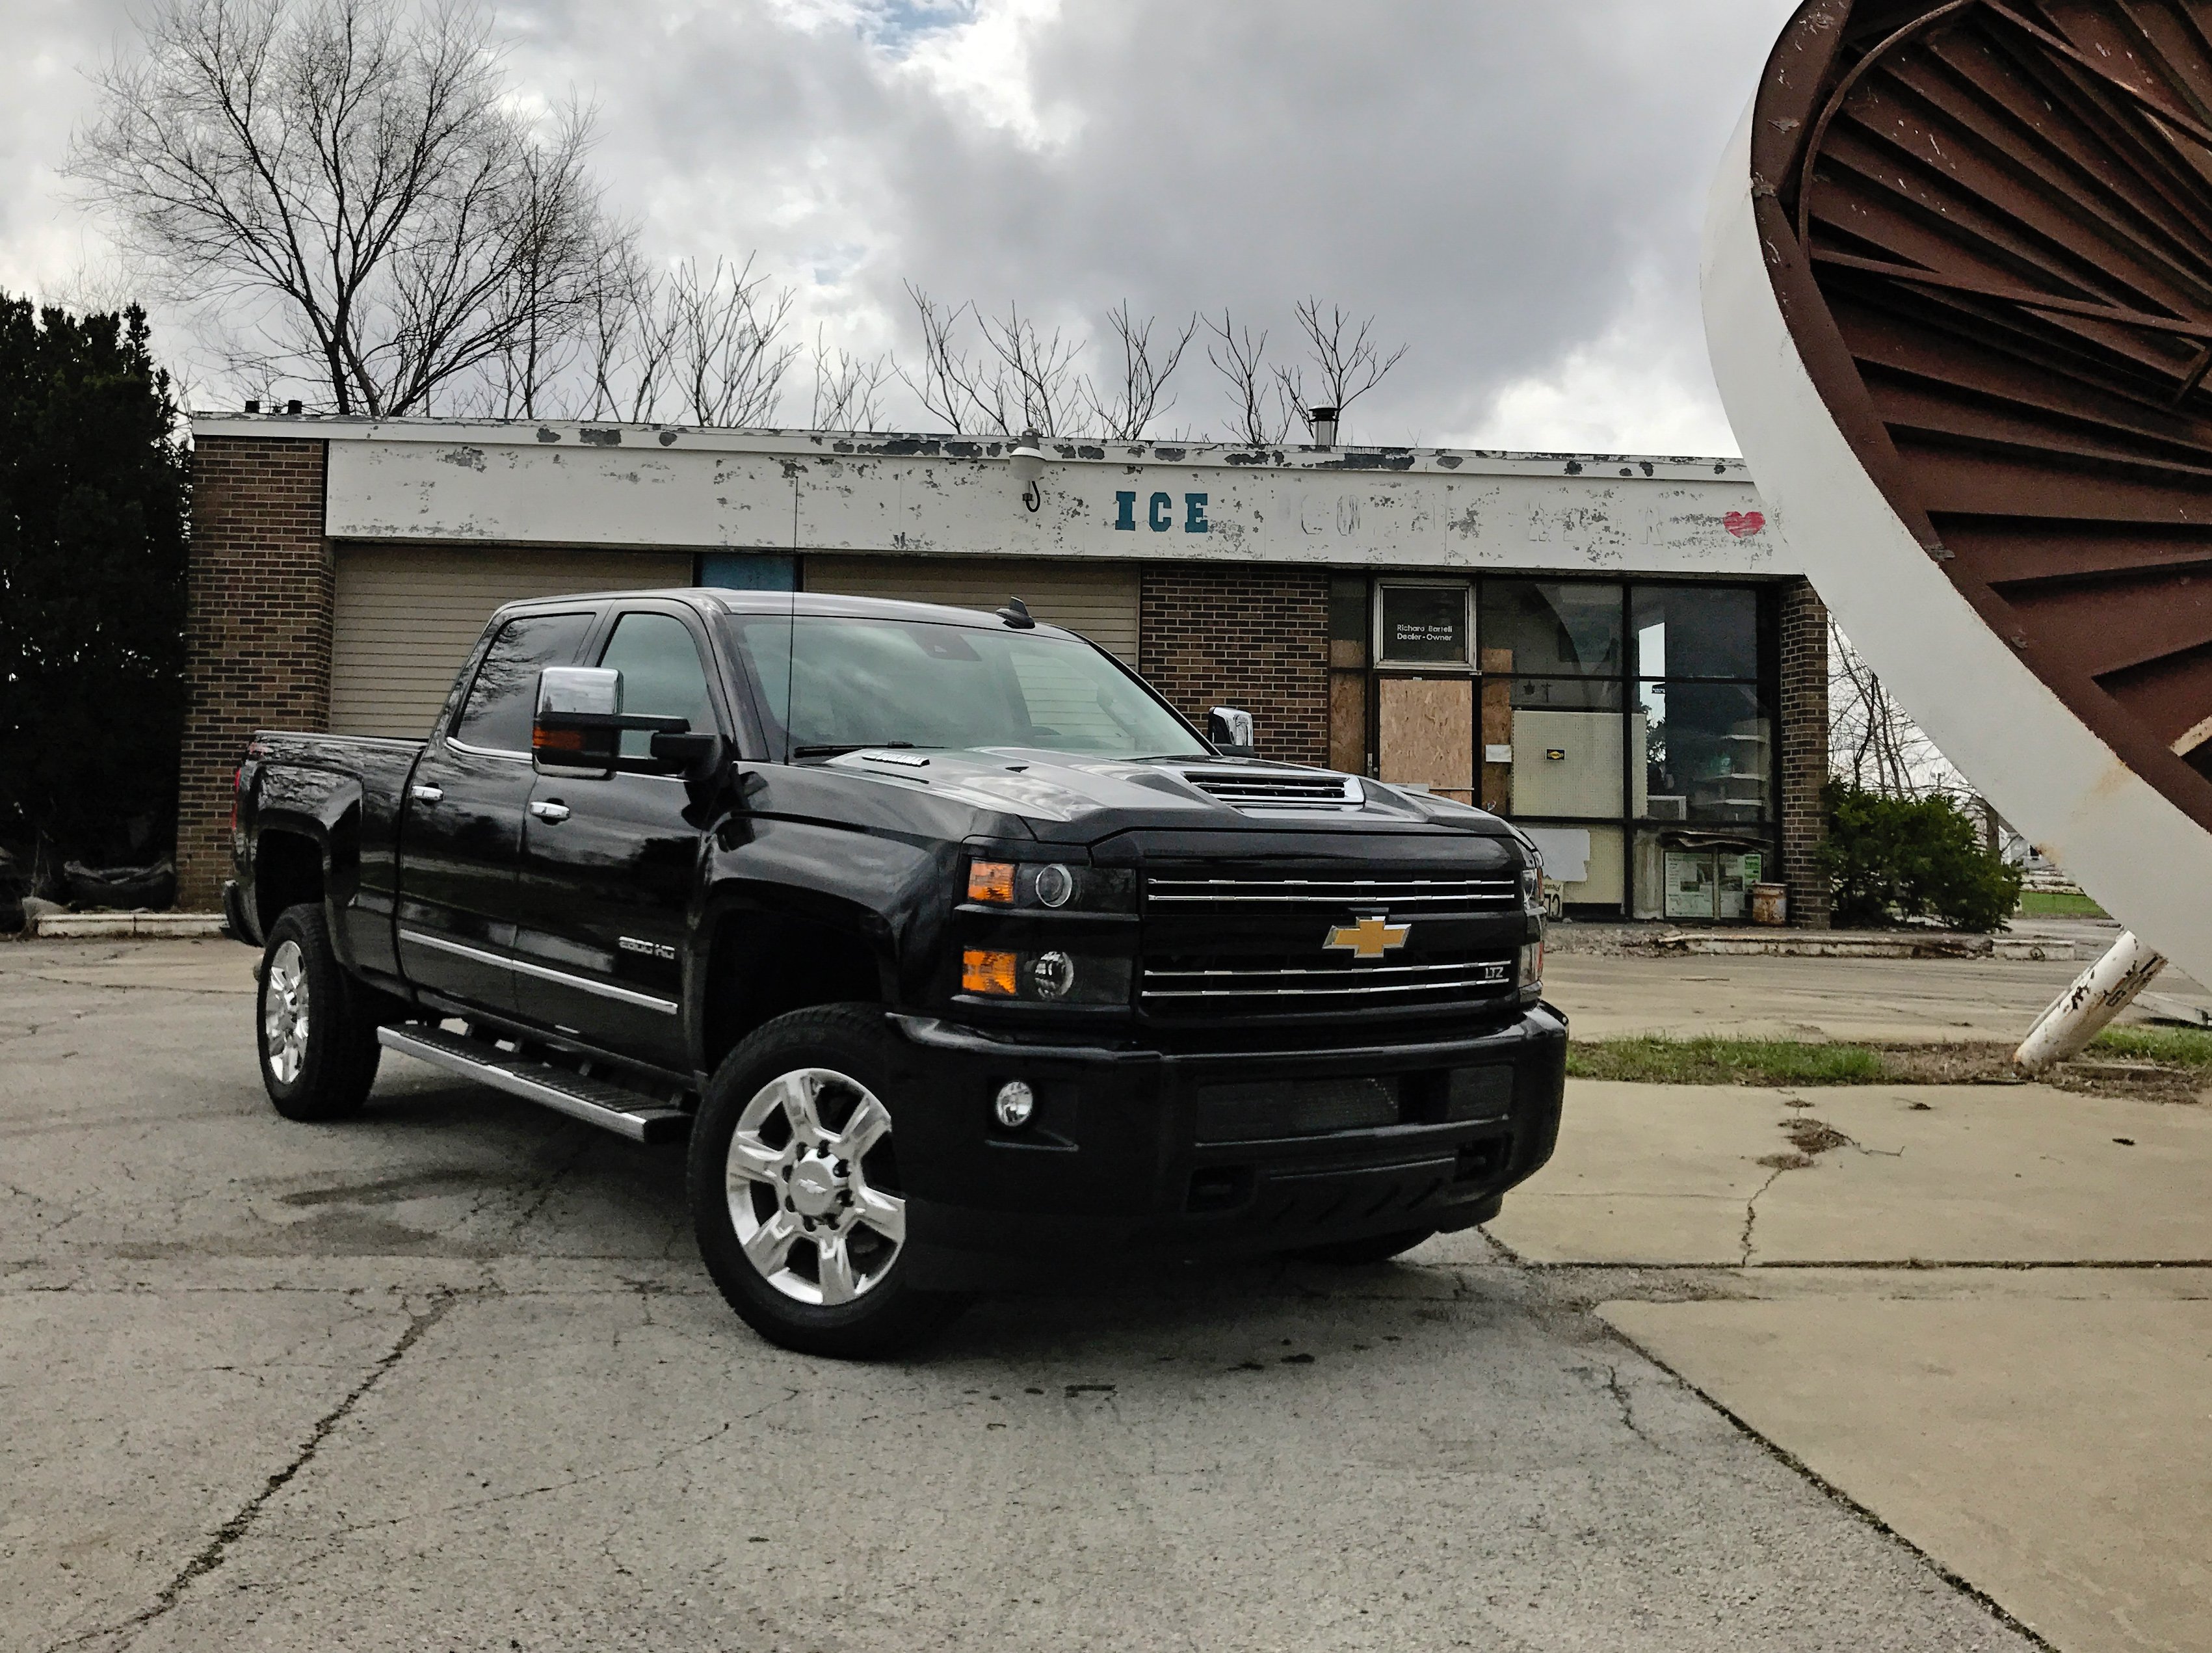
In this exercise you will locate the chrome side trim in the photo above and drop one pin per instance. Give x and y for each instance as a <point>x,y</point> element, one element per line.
<point>582,984</point>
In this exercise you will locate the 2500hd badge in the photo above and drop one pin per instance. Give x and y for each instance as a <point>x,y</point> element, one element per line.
<point>953,952</point>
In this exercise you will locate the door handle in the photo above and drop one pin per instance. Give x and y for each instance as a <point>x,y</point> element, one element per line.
<point>548,810</point>
<point>426,794</point>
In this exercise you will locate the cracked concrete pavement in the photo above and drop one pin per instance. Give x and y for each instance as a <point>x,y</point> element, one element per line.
<point>1947,1302</point>
<point>450,1375</point>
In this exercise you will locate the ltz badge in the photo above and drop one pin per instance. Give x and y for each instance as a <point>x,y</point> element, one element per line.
<point>1371,938</point>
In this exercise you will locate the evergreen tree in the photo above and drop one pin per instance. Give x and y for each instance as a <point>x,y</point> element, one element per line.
<point>93,491</point>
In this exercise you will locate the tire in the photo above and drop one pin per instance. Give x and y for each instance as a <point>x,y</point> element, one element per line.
<point>1361,1254</point>
<point>807,1243</point>
<point>314,1027</point>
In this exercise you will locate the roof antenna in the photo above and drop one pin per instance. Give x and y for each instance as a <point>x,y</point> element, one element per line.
<point>1017,615</point>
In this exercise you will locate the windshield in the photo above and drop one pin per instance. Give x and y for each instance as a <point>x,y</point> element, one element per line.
<point>851,682</point>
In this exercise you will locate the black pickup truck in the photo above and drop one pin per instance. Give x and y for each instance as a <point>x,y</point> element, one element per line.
<point>956,952</point>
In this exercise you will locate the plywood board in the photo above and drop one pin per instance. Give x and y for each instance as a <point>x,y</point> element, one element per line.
<point>1348,721</point>
<point>1426,733</point>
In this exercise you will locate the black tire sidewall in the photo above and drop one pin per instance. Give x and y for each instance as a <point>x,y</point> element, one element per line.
<point>890,1315</point>
<point>340,1060</point>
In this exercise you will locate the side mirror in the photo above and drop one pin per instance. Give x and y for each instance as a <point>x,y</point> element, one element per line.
<point>580,725</point>
<point>1229,730</point>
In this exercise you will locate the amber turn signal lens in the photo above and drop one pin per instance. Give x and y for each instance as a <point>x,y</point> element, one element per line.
<point>987,972</point>
<point>992,881</point>
<point>556,740</point>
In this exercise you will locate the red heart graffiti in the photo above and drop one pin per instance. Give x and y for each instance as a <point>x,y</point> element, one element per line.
<point>1744,523</point>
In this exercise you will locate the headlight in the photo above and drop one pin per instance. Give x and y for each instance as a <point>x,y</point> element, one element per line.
<point>1531,973</point>
<point>1051,886</point>
<point>1047,977</point>
<point>1532,890</point>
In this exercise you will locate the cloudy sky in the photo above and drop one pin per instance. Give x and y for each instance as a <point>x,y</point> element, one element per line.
<point>1513,189</point>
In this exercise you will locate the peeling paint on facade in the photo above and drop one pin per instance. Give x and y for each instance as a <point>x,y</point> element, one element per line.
<point>558,485</point>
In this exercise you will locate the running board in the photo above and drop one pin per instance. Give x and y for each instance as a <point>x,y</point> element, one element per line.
<point>640,1118</point>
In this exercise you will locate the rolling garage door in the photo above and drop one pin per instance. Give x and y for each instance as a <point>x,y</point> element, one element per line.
<point>407,615</point>
<point>1098,599</point>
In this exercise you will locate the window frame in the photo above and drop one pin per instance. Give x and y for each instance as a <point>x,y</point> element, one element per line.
<point>1381,658</point>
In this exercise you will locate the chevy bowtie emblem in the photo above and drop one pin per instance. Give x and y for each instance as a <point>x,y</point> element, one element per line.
<point>1371,938</point>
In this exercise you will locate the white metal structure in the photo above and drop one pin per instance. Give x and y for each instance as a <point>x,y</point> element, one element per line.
<point>2144,860</point>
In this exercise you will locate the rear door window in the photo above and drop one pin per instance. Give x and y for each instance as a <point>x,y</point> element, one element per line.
<point>503,699</point>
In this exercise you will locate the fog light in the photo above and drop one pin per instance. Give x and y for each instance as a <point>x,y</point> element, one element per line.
<point>1016,1102</point>
<point>1052,974</point>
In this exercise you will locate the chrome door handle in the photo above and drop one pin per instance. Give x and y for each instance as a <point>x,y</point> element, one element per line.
<point>426,794</point>
<point>556,813</point>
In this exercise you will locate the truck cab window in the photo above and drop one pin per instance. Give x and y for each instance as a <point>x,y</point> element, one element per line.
<point>662,674</point>
<point>504,696</point>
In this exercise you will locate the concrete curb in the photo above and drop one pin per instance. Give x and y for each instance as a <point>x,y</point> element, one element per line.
<point>86,926</point>
<point>1564,939</point>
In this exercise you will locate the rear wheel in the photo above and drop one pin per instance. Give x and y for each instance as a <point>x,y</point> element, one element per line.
<point>312,1025</point>
<point>795,1191</point>
<point>1358,1254</point>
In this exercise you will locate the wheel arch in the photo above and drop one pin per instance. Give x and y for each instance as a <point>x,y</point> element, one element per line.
<point>766,951</point>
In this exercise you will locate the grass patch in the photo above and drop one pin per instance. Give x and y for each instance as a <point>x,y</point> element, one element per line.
<point>1725,1061</point>
<point>2163,1063</point>
<point>2058,903</point>
<point>2177,1047</point>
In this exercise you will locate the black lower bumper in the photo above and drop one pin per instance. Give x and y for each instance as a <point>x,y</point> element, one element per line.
<point>1136,1151</point>
<point>237,919</point>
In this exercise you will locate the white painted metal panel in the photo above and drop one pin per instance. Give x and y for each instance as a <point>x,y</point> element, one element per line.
<point>926,496</point>
<point>2139,856</point>
<point>1098,599</point>
<point>406,616</point>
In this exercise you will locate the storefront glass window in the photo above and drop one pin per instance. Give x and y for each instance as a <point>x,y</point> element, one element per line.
<point>1708,752</point>
<point>1552,626</point>
<point>1695,631</point>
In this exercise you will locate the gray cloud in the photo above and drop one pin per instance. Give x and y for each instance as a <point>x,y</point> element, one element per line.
<point>1514,189</point>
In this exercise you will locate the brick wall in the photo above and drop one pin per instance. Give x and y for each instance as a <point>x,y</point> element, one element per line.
<point>1804,743</point>
<point>257,631</point>
<point>1257,638</point>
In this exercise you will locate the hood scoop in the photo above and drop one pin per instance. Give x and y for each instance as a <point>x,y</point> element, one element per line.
<point>1281,792</point>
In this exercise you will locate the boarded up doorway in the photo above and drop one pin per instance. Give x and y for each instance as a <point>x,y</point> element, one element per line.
<point>1424,734</point>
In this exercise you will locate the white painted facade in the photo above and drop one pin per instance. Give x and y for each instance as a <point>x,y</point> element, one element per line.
<point>570,485</point>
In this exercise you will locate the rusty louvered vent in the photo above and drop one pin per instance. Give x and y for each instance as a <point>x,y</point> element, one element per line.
<point>1990,225</point>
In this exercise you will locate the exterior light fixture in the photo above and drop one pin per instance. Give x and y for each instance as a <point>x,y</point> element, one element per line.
<point>1014,1104</point>
<point>1026,461</point>
<point>1323,421</point>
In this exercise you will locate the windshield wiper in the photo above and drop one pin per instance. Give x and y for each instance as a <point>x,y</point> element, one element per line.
<point>854,746</point>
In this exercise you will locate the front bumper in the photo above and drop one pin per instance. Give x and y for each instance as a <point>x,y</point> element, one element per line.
<point>1123,1154</point>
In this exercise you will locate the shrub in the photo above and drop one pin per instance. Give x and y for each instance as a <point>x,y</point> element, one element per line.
<point>1892,858</point>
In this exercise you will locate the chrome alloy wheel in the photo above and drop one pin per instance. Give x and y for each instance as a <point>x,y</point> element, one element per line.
<point>808,1174</point>
<point>284,1013</point>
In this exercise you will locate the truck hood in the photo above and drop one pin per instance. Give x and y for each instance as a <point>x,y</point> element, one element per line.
<point>1069,799</point>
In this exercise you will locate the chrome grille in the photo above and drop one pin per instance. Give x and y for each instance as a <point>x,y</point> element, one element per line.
<point>1272,792</point>
<point>1399,894</point>
<point>1203,984</point>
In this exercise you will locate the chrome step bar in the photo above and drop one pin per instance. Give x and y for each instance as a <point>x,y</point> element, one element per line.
<point>640,1118</point>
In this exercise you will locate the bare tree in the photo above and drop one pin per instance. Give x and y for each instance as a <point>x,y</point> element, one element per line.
<point>730,356</point>
<point>1128,408</point>
<point>628,336</point>
<point>1259,411</point>
<point>1019,379</point>
<point>1873,742</point>
<point>948,385</point>
<point>847,387</point>
<point>1347,363</point>
<point>350,178</point>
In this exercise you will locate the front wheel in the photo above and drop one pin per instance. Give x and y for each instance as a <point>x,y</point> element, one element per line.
<point>312,1027</point>
<point>795,1191</point>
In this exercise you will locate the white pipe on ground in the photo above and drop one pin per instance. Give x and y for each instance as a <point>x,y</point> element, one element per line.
<point>2079,1014</point>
